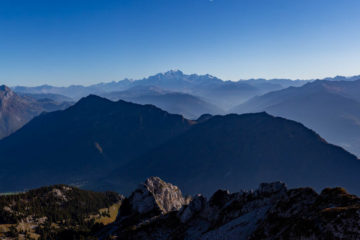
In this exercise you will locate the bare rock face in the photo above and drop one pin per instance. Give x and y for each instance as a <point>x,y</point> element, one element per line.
<point>196,206</point>
<point>304,214</point>
<point>167,196</point>
<point>154,197</point>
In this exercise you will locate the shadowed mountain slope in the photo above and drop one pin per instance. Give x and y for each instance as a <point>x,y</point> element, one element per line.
<point>237,151</point>
<point>87,139</point>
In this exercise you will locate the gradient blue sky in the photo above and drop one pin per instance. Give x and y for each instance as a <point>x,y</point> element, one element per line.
<point>62,42</point>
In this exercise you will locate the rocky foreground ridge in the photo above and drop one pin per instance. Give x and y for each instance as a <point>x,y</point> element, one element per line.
<point>158,210</point>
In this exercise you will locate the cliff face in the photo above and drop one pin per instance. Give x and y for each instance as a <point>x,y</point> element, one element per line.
<point>150,200</point>
<point>270,212</point>
<point>17,110</point>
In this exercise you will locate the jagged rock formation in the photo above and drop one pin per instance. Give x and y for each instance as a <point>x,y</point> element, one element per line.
<point>154,197</point>
<point>270,212</point>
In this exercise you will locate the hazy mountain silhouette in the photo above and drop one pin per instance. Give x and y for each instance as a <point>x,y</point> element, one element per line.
<point>274,84</point>
<point>174,102</point>
<point>74,91</point>
<point>51,96</point>
<point>331,108</point>
<point>343,78</point>
<point>224,94</point>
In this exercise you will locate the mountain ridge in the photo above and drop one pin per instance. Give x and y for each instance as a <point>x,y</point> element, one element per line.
<point>221,93</point>
<point>271,211</point>
<point>224,94</point>
<point>236,151</point>
<point>329,107</point>
<point>88,138</point>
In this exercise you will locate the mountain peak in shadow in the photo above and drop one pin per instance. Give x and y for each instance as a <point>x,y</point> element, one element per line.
<point>92,99</point>
<point>84,141</point>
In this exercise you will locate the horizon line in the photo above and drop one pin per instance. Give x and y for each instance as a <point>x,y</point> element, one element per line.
<point>187,74</point>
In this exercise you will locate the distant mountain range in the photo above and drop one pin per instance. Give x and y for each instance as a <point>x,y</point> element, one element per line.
<point>16,110</point>
<point>102,144</point>
<point>332,108</point>
<point>185,104</point>
<point>224,94</point>
<point>212,90</point>
<point>51,96</point>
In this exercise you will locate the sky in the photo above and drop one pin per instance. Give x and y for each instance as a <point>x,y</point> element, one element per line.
<point>64,42</point>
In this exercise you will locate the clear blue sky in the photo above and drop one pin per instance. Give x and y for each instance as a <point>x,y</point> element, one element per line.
<point>64,42</point>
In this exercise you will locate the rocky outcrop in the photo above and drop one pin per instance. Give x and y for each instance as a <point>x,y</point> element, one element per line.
<point>302,213</point>
<point>195,207</point>
<point>152,198</point>
<point>270,212</point>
